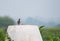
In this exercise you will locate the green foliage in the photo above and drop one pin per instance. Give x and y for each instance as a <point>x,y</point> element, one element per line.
<point>2,35</point>
<point>5,21</point>
<point>50,34</point>
<point>41,27</point>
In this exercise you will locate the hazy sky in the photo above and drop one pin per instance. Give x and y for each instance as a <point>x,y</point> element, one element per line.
<point>41,9</point>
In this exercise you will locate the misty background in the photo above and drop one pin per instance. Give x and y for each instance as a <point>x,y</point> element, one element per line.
<point>36,12</point>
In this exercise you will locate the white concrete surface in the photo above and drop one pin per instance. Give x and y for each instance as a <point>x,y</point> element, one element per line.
<point>24,33</point>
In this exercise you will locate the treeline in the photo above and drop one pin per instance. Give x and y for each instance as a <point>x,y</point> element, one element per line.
<point>5,21</point>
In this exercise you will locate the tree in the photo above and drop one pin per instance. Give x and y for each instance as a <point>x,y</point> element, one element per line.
<point>5,21</point>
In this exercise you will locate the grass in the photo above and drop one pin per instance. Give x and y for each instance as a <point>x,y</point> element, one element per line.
<point>50,34</point>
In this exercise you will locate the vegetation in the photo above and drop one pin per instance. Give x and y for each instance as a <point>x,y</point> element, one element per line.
<point>2,34</point>
<point>50,34</point>
<point>5,21</point>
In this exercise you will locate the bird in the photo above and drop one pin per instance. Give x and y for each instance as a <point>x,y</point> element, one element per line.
<point>18,22</point>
